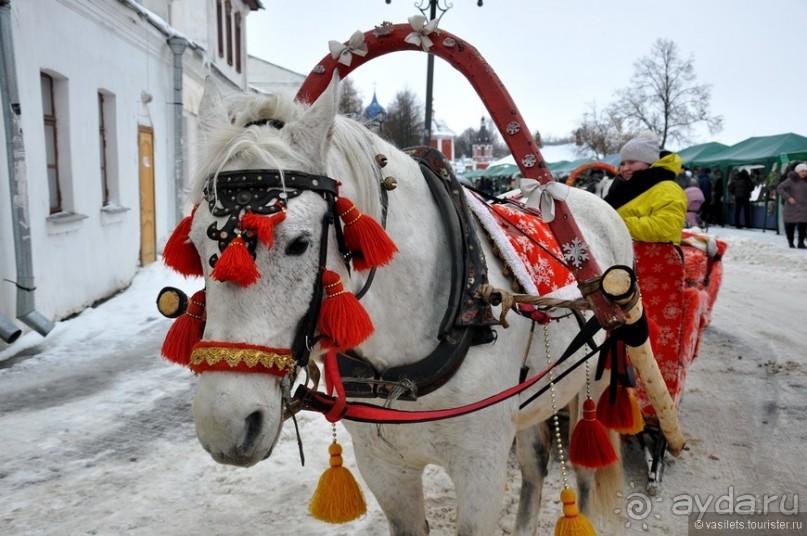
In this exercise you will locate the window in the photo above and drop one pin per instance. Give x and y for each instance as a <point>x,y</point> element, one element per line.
<point>229,32</point>
<point>102,152</point>
<point>220,28</point>
<point>238,42</point>
<point>51,145</point>
<point>228,22</point>
<point>108,149</point>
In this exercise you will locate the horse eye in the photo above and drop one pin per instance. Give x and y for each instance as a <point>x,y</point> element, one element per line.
<point>298,245</point>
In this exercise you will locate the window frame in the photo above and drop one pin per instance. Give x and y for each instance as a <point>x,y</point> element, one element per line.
<point>51,120</point>
<point>103,146</point>
<point>220,27</point>
<point>238,41</point>
<point>228,23</point>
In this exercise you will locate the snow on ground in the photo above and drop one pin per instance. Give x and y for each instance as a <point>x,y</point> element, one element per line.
<point>97,436</point>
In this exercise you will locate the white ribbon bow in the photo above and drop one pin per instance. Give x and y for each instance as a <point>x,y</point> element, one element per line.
<point>421,31</point>
<point>543,196</point>
<point>355,45</point>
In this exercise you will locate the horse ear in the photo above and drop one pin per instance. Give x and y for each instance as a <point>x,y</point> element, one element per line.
<point>312,130</point>
<point>212,111</point>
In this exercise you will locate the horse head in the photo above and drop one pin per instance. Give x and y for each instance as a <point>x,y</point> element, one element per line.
<point>257,228</point>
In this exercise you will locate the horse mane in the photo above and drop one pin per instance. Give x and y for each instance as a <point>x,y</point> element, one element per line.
<point>356,146</point>
<point>225,138</point>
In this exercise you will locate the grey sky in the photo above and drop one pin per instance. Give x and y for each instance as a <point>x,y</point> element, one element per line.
<point>557,58</point>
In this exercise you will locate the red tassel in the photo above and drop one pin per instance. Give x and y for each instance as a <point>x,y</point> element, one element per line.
<point>622,415</point>
<point>364,237</point>
<point>264,226</point>
<point>342,320</point>
<point>590,446</point>
<point>653,331</point>
<point>180,254</point>
<point>236,264</point>
<point>186,331</point>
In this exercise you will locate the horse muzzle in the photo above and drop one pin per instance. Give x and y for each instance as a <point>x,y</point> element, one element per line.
<point>238,416</point>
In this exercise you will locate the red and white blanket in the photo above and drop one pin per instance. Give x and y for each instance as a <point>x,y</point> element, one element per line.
<point>528,248</point>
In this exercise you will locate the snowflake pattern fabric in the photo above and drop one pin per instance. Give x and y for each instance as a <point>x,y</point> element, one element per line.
<point>678,298</point>
<point>536,248</point>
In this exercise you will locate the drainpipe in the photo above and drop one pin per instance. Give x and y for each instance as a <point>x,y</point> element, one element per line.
<point>15,155</point>
<point>8,330</point>
<point>178,45</point>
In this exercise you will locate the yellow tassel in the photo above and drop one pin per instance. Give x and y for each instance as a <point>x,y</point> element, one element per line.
<point>638,420</point>
<point>338,498</point>
<point>573,523</point>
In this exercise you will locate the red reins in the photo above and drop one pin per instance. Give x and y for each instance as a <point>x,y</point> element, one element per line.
<point>338,407</point>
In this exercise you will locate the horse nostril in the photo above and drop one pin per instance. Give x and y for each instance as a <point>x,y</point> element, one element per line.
<point>253,425</point>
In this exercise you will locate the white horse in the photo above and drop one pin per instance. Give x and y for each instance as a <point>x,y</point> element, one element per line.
<point>239,415</point>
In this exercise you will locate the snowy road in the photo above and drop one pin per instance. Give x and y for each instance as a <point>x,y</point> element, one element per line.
<point>97,436</point>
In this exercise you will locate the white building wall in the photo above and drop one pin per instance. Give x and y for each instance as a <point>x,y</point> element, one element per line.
<point>108,45</point>
<point>94,45</point>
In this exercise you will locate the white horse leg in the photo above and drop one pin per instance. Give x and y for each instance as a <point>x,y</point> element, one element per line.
<point>532,451</point>
<point>479,478</point>
<point>398,490</point>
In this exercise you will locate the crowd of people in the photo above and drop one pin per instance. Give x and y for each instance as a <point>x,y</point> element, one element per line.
<point>657,196</point>
<point>708,206</point>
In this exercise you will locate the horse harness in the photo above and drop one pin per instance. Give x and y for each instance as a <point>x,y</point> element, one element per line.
<point>467,321</point>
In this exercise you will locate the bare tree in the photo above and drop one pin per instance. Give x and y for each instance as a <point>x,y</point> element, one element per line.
<point>549,139</point>
<point>404,123</point>
<point>601,132</point>
<point>350,102</point>
<point>664,97</point>
<point>464,143</point>
<point>500,148</point>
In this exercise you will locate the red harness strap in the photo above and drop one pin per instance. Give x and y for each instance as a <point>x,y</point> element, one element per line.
<point>333,380</point>
<point>336,408</point>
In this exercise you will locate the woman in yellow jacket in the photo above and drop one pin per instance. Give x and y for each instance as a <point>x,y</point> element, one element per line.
<point>646,195</point>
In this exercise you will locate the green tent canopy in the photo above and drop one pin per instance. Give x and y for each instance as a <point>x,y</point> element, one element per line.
<point>501,170</point>
<point>761,150</point>
<point>564,168</point>
<point>700,151</point>
<point>471,173</point>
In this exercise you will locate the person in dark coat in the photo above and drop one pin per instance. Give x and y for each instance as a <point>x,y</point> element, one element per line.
<point>793,191</point>
<point>741,187</point>
<point>717,197</point>
<point>705,184</point>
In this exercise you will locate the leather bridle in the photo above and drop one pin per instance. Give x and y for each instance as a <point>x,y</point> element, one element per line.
<point>267,191</point>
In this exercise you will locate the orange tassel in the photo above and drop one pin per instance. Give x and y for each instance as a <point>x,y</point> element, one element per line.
<point>364,237</point>
<point>186,331</point>
<point>180,254</point>
<point>342,319</point>
<point>638,419</point>
<point>338,497</point>
<point>590,446</point>
<point>573,523</point>
<point>236,264</point>
<point>624,415</point>
<point>264,226</point>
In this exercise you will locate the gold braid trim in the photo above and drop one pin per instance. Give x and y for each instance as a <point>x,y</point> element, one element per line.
<point>251,357</point>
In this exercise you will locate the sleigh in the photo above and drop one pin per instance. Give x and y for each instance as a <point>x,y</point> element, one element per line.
<point>679,286</point>
<point>274,308</point>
